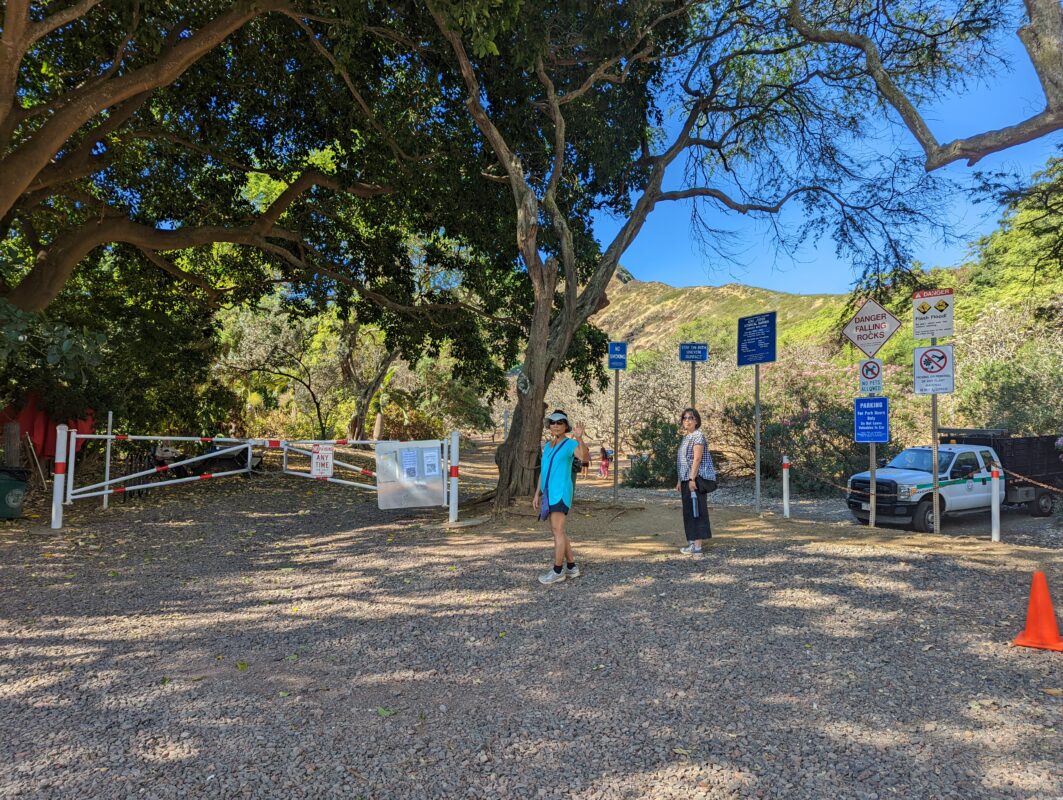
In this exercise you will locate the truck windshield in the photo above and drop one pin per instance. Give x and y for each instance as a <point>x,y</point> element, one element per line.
<point>920,458</point>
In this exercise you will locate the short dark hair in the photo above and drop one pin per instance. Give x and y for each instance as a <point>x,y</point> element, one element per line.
<point>692,412</point>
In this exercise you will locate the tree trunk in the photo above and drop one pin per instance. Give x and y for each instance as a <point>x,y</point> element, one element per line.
<point>516,457</point>
<point>356,425</point>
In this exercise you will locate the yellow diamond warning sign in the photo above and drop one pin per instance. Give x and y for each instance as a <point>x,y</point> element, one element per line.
<point>932,313</point>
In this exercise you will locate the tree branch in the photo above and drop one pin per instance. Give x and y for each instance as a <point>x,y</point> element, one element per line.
<point>1043,39</point>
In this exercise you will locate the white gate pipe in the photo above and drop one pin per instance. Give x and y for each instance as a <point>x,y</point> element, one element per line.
<point>336,462</point>
<point>995,505</point>
<point>71,461</point>
<point>130,437</point>
<point>59,476</point>
<point>453,516</point>
<point>207,476</point>
<point>786,486</point>
<point>80,493</point>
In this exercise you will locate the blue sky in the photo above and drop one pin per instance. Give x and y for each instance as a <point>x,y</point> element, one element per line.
<point>664,250</point>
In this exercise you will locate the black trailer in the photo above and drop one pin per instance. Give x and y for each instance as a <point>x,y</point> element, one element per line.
<point>1030,464</point>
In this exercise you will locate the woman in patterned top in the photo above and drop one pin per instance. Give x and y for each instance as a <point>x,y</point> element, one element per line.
<point>697,477</point>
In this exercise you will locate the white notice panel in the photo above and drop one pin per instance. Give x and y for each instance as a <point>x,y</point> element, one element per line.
<point>321,462</point>
<point>935,370</point>
<point>409,474</point>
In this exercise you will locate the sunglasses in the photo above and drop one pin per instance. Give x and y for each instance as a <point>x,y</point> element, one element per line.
<point>557,422</point>
<point>685,417</point>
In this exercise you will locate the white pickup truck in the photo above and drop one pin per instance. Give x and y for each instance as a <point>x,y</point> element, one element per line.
<point>904,485</point>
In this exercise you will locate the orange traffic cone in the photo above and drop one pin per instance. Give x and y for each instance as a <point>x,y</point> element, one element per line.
<point>1041,629</point>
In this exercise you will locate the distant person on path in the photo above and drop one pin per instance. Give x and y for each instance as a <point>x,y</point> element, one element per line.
<point>553,497</point>
<point>603,465</point>
<point>697,477</point>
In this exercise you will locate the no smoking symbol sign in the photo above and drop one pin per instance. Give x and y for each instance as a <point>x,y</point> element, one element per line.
<point>934,361</point>
<point>870,371</point>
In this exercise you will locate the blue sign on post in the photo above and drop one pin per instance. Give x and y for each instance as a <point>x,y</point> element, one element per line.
<point>617,355</point>
<point>693,351</point>
<point>756,339</point>
<point>871,420</point>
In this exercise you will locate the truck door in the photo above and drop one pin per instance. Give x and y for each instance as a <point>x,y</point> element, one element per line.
<point>988,459</point>
<point>967,491</point>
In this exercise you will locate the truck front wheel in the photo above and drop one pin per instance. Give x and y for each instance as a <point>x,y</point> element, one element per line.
<point>1041,506</point>
<point>923,518</point>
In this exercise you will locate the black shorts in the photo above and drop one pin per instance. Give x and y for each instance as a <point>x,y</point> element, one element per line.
<point>559,507</point>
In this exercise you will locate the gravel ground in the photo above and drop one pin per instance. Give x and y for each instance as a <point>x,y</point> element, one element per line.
<point>259,641</point>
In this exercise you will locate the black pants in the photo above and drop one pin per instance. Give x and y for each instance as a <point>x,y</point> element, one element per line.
<point>695,528</point>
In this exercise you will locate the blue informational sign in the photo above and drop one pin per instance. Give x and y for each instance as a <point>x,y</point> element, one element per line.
<point>756,339</point>
<point>617,355</point>
<point>871,420</point>
<point>693,351</point>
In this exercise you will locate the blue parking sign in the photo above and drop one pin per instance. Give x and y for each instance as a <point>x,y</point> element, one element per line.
<point>756,339</point>
<point>871,420</point>
<point>617,355</point>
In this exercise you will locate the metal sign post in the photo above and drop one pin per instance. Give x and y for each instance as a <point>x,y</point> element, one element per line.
<point>693,352</point>
<point>617,362</point>
<point>932,317</point>
<point>756,346</point>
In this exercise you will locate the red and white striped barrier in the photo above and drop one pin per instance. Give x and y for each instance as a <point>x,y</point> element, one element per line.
<point>293,447</point>
<point>65,492</point>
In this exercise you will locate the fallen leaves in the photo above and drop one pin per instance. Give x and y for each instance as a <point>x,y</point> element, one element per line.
<point>1053,692</point>
<point>385,712</point>
<point>242,665</point>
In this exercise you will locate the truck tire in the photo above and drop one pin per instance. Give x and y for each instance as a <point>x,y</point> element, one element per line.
<point>1041,506</point>
<point>861,520</point>
<point>923,518</point>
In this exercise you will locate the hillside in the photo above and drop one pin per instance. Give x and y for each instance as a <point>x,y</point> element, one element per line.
<point>654,316</point>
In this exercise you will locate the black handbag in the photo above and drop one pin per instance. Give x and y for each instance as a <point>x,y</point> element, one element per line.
<point>577,465</point>
<point>705,485</point>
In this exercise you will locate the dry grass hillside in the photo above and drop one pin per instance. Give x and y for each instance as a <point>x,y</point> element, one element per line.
<point>654,316</point>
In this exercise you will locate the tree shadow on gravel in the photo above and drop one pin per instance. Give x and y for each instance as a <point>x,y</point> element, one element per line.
<point>240,647</point>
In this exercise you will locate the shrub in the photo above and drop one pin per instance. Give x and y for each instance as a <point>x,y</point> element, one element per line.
<point>655,442</point>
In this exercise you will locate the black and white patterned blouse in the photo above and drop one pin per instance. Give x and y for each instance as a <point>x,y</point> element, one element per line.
<point>706,469</point>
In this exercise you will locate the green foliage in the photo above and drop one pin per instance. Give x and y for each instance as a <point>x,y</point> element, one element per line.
<point>142,348</point>
<point>411,425</point>
<point>655,442</point>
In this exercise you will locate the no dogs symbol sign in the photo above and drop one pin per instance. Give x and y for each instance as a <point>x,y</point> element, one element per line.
<point>871,376</point>
<point>934,370</point>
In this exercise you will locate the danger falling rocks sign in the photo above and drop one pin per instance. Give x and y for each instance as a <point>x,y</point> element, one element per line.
<point>871,327</point>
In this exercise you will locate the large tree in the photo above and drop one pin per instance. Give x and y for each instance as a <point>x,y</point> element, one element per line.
<point>616,108</point>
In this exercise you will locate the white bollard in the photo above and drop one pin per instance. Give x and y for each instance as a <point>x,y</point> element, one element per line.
<point>59,479</point>
<point>71,462</point>
<point>453,476</point>
<point>996,505</point>
<point>786,486</point>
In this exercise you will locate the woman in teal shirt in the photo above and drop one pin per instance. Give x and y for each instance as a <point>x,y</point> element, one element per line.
<point>553,497</point>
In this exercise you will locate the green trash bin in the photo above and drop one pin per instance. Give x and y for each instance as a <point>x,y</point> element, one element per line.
<point>12,491</point>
